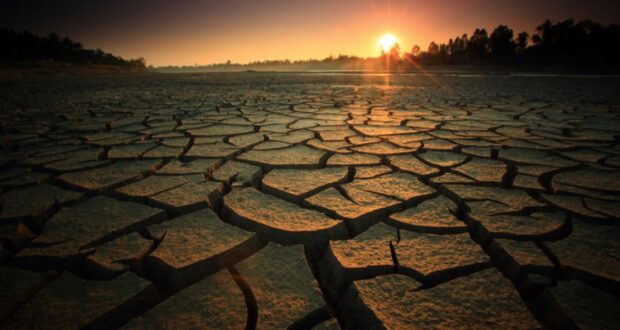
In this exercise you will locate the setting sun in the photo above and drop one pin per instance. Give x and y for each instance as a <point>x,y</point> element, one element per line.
<point>387,41</point>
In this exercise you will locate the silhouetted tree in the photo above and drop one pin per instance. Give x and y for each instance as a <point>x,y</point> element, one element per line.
<point>460,45</point>
<point>395,51</point>
<point>415,50</point>
<point>433,48</point>
<point>543,33</point>
<point>500,42</point>
<point>522,41</point>
<point>443,50</point>
<point>464,41</point>
<point>478,43</point>
<point>390,59</point>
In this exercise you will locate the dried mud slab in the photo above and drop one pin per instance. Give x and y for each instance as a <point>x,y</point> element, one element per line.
<point>527,257</point>
<point>213,303</point>
<point>353,159</point>
<point>411,164</point>
<point>590,179</point>
<point>19,287</point>
<point>215,150</point>
<point>368,254</point>
<point>496,219</point>
<point>279,220</point>
<point>195,245</point>
<point>28,202</point>
<point>118,255</point>
<point>589,249</point>
<point>401,186</point>
<point>238,172</point>
<point>190,196</point>
<point>295,184</point>
<point>297,156</point>
<point>282,284</point>
<point>358,207</point>
<point>84,226</point>
<point>438,256</point>
<point>589,307</point>
<point>483,170</point>
<point>197,166</point>
<point>71,302</point>
<point>155,184</point>
<point>483,300</point>
<point>108,177</point>
<point>435,215</point>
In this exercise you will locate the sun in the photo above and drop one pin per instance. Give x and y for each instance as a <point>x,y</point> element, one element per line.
<point>387,41</point>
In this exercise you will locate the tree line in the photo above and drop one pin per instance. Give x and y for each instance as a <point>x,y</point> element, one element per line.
<point>566,43</point>
<point>584,43</point>
<point>25,47</point>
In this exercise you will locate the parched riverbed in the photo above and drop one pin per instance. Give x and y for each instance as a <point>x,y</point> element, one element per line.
<point>255,200</point>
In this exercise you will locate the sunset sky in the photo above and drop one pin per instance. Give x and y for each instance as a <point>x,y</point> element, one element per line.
<point>188,32</point>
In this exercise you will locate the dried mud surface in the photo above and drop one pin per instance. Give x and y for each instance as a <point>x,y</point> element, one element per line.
<point>302,201</point>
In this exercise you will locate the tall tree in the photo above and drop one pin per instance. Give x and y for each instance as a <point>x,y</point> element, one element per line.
<point>415,50</point>
<point>478,45</point>
<point>500,42</point>
<point>433,48</point>
<point>543,33</point>
<point>395,52</point>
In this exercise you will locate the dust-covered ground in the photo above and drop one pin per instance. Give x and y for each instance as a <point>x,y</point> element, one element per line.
<point>254,200</point>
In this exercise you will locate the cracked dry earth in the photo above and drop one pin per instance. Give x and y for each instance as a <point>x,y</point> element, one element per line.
<point>297,201</point>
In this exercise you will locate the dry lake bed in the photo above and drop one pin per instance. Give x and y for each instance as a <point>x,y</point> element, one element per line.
<point>271,201</point>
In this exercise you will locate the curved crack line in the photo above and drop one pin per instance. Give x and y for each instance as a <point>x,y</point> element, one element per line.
<point>248,295</point>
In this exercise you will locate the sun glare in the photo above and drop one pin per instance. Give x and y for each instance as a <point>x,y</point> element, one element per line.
<point>387,41</point>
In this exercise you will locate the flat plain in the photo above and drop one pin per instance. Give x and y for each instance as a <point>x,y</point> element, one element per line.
<point>292,200</point>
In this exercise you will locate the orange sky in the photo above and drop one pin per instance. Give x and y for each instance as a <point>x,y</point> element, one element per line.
<point>189,32</point>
